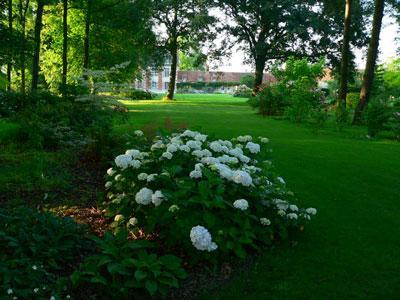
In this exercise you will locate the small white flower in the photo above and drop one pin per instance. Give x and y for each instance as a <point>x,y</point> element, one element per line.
<point>184,148</point>
<point>118,218</point>
<point>311,211</point>
<point>195,145</point>
<point>281,213</point>
<point>173,208</point>
<point>36,290</point>
<point>34,267</point>
<point>292,216</point>
<point>281,180</point>
<point>196,174</point>
<point>118,177</point>
<point>200,137</point>
<point>151,177</point>
<point>265,221</point>
<point>216,146</point>
<point>135,164</point>
<point>167,155</point>
<point>201,239</point>
<point>52,298</point>
<point>144,196</point>
<point>245,138</point>
<point>172,148</point>
<point>9,291</point>
<point>253,147</point>
<point>157,198</point>
<point>122,161</point>
<point>133,221</point>
<point>264,140</point>
<point>111,172</point>
<point>241,204</point>
<point>142,176</point>
<point>242,177</point>
<point>138,133</point>
<point>134,153</point>
<point>293,207</point>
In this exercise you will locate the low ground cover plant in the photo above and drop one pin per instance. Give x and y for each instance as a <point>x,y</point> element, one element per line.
<point>209,198</point>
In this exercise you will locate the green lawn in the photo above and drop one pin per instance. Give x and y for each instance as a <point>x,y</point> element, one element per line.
<point>351,250</point>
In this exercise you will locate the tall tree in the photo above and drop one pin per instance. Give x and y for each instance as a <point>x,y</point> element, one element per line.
<point>10,28</point>
<point>278,29</point>
<point>86,44</point>
<point>344,66</point>
<point>372,55</point>
<point>185,22</point>
<point>37,40</point>
<point>65,44</point>
<point>23,6</point>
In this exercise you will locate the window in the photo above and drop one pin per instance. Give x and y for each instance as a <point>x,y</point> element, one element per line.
<point>166,72</point>
<point>153,85</point>
<point>166,84</point>
<point>154,73</point>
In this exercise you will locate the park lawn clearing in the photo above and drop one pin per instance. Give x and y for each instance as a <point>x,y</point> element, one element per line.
<point>350,250</point>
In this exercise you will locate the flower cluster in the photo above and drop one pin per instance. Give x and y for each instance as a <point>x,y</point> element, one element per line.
<point>228,186</point>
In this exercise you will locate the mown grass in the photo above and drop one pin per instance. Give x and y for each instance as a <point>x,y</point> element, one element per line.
<point>351,249</point>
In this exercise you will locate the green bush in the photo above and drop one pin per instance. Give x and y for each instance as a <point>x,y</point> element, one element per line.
<point>243,91</point>
<point>38,251</point>
<point>352,100</point>
<point>248,80</point>
<point>140,95</point>
<point>124,266</point>
<point>377,116</point>
<point>270,101</point>
<point>208,198</point>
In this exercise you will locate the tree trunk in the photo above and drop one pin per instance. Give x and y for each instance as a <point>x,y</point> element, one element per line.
<point>65,45</point>
<point>172,74</point>
<point>36,53</point>
<point>259,75</point>
<point>86,45</point>
<point>344,67</point>
<point>10,28</point>
<point>22,15</point>
<point>369,72</point>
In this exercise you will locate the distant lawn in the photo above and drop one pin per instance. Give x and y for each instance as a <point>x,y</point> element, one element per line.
<point>352,248</point>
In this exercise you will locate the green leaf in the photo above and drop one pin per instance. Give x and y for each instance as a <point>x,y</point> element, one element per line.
<point>151,286</point>
<point>140,275</point>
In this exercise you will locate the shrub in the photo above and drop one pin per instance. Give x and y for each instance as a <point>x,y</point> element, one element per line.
<point>205,197</point>
<point>270,101</point>
<point>377,116</point>
<point>242,91</point>
<point>124,265</point>
<point>318,118</point>
<point>352,100</point>
<point>248,80</point>
<point>140,95</point>
<point>38,250</point>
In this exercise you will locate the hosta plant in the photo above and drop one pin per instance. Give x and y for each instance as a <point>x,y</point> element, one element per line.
<point>204,196</point>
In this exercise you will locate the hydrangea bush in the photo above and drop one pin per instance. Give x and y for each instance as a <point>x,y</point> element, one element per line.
<point>205,196</point>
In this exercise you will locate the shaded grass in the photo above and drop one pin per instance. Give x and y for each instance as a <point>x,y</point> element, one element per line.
<point>351,249</point>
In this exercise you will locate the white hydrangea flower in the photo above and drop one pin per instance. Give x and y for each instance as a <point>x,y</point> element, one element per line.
<point>198,166</point>
<point>135,164</point>
<point>264,140</point>
<point>134,153</point>
<point>108,184</point>
<point>176,140</point>
<point>311,211</point>
<point>151,177</point>
<point>9,291</point>
<point>123,161</point>
<point>293,207</point>
<point>200,137</point>
<point>209,160</point>
<point>189,133</point>
<point>167,155</point>
<point>244,159</point>
<point>172,148</point>
<point>253,147</point>
<point>281,180</point>
<point>265,221</point>
<point>241,204</point>
<point>281,204</point>
<point>201,239</point>
<point>118,218</point>
<point>281,213</point>
<point>245,138</point>
<point>242,177</point>
<point>157,198</point>
<point>36,290</point>
<point>142,176</point>
<point>237,152</point>
<point>224,170</point>
<point>198,153</point>
<point>144,196</point>
<point>118,177</point>
<point>292,216</point>
<point>111,172</point>
<point>195,174</point>
<point>184,148</point>
<point>216,146</point>
<point>194,145</point>
<point>173,208</point>
<point>138,133</point>
<point>157,145</point>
